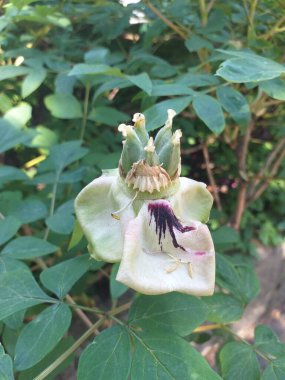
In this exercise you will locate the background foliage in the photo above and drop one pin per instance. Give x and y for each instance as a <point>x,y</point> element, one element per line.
<point>70,72</point>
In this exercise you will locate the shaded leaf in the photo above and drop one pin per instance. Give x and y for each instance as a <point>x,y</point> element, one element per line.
<point>11,136</point>
<point>210,112</point>
<point>33,81</point>
<point>8,228</point>
<point>142,81</point>
<point>28,247</point>
<point>117,288</point>
<point>6,365</point>
<point>223,308</point>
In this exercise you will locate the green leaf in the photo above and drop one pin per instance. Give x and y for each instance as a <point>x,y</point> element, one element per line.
<point>117,288</point>
<point>28,247</point>
<point>60,278</point>
<point>225,235</point>
<point>142,81</point>
<point>9,71</point>
<point>18,291</point>
<point>95,69</point>
<point>171,89</point>
<point>29,210</point>
<point>266,341</point>
<point>223,308</point>
<point>50,358</point>
<point>19,115</point>
<point>275,370</point>
<point>10,173</point>
<point>235,104</point>
<point>33,81</point>
<point>157,114</point>
<point>61,222</point>
<point>44,333</point>
<point>64,154</point>
<point>210,112</point>
<point>163,356</point>
<point>238,361</point>
<point>176,312</point>
<point>195,43</point>
<point>76,236</point>
<point>107,115</point>
<point>15,321</point>
<point>6,365</point>
<point>107,357</point>
<point>8,228</point>
<point>274,88</point>
<point>250,68</point>
<point>63,106</point>
<point>7,265</point>
<point>11,136</point>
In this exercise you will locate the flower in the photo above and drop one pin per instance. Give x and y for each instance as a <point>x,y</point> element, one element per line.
<point>158,233</point>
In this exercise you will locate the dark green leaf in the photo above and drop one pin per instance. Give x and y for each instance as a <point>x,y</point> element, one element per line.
<point>171,90</point>
<point>18,291</point>
<point>177,312</point>
<point>15,321</point>
<point>61,277</point>
<point>7,264</point>
<point>28,247</point>
<point>275,370</point>
<point>225,235</point>
<point>223,308</point>
<point>235,104</point>
<point>64,154</point>
<point>9,173</point>
<point>29,210</point>
<point>142,81</point>
<point>195,43</point>
<point>8,228</point>
<point>44,333</point>
<point>266,341</point>
<point>63,106</point>
<point>11,136</point>
<point>157,114</point>
<point>108,357</point>
<point>6,365</point>
<point>238,361</point>
<point>210,112</point>
<point>117,288</point>
<point>107,115</point>
<point>168,357</point>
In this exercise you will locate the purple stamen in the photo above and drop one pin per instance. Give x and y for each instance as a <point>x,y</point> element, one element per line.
<point>164,218</point>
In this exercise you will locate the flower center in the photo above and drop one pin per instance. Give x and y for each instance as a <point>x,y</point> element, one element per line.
<point>164,219</point>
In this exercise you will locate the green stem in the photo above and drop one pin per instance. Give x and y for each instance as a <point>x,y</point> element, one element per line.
<point>203,12</point>
<point>52,203</point>
<point>70,351</point>
<point>85,111</point>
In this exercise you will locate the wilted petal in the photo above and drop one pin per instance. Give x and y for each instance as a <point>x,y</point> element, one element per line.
<point>192,201</point>
<point>94,206</point>
<point>161,254</point>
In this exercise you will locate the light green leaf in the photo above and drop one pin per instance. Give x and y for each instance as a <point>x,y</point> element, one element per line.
<point>44,138</point>
<point>176,312</point>
<point>8,228</point>
<point>251,68</point>
<point>117,288</point>
<point>18,291</point>
<point>5,102</point>
<point>33,81</point>
<point>160,355</point>
<point>274,88</point>
<point>9,71</point>
<point>142,81</point>
<point>223,308</point>
<point>41,335</point>
<point>210,112</point>
<point>11,136</point>
<point>19,115</point>
<point>108,357</point>
<point>235,104</point>
<point>28,247</point>
<point>60,278</point>
<point>107,115</point>
<point>77,235</point>
<point>95,69</point>
<point>6,365</point>
<point>63,106</point>
<point>157,114</point>
<point>238,361</point>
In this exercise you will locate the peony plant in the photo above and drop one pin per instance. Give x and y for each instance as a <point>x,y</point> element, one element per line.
<point>148,218</point>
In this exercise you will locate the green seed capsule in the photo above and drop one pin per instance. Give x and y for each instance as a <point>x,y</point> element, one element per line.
<point>164,135</point>
<point>132,148</point>
<point>169,155</point>
<point>151,157</point>
<point>139,126</point>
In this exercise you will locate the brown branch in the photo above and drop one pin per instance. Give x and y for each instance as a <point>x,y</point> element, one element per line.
<point>211,176</point>
<point>165,20</point>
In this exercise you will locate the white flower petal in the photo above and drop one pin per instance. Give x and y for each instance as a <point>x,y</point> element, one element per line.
<point>93,207</point>
<point>153,265</point>
<point>192,201</point>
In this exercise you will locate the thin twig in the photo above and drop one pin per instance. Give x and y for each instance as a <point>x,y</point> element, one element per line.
<point>165,20</point>
<point>211,176</point>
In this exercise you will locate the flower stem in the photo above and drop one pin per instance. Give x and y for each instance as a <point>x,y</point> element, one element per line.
<point>70,351</point>
<point>85,112</point>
